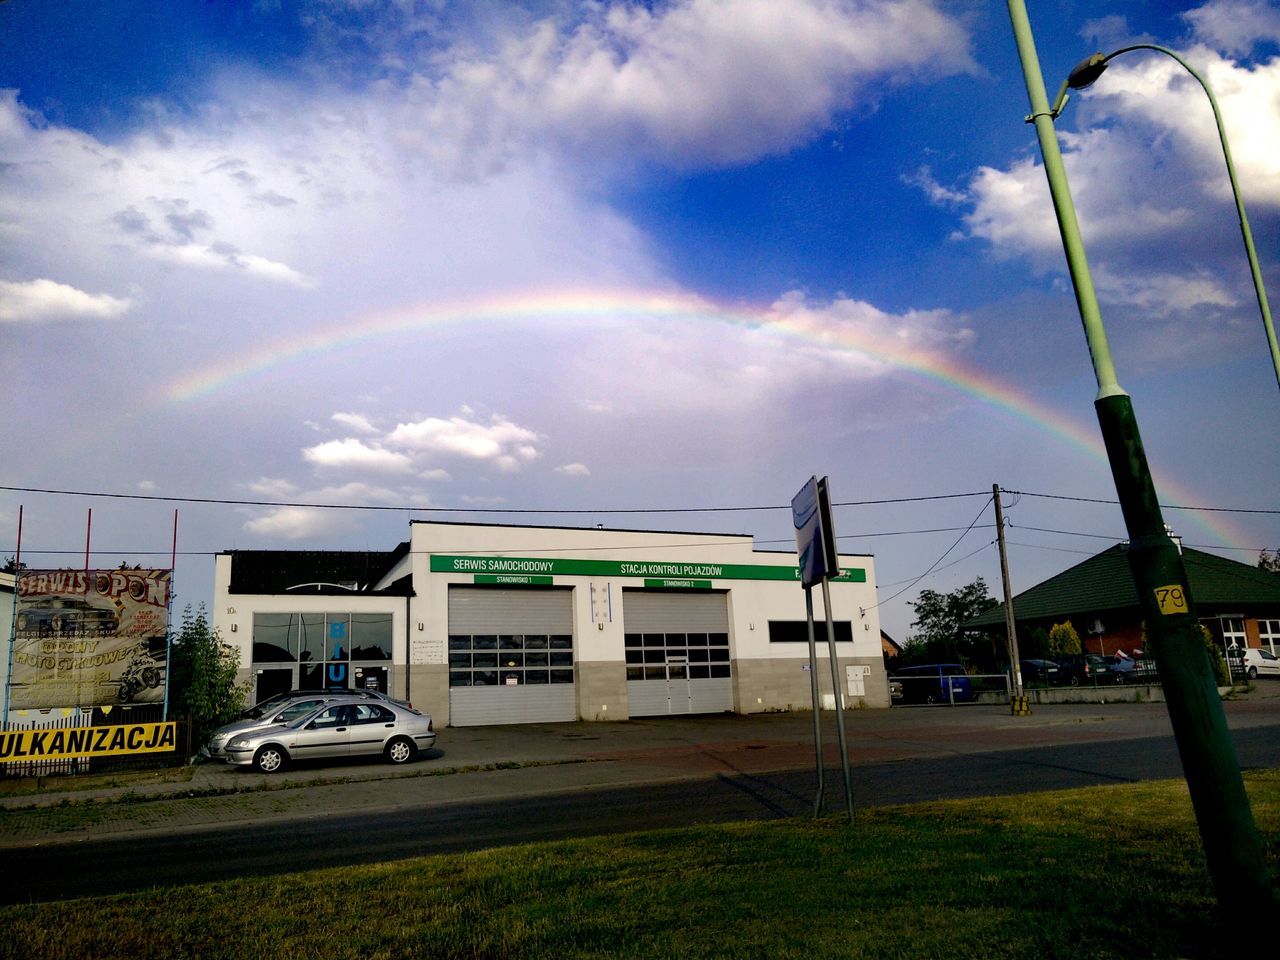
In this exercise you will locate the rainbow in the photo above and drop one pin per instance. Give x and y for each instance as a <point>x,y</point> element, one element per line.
<point>784,319</point>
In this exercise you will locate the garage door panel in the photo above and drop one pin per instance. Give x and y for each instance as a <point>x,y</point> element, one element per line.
<point>511,657</point>
<point>684,638</point>
<point>647,698</point>
<point>710,696</point>
<point>482,706</point>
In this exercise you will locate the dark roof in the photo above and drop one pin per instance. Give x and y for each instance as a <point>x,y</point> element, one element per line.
<point>332,572</point>
<point>1103,583</point>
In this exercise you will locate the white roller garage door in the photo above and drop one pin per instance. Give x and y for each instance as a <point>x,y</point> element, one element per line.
<point>511,656</point>
<point>677,650</point>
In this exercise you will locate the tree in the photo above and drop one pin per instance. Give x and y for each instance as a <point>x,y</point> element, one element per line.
<point>11,565</point>
<point>1063,639</point>
<point>1034,644</point>
<point>1269,560</point>
<point>939,620</point>
<point>202,676</point>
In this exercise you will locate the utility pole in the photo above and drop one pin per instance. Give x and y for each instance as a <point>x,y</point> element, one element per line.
<point>1019,705</point>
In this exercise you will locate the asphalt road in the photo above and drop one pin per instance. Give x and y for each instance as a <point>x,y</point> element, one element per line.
<point>161,859</point>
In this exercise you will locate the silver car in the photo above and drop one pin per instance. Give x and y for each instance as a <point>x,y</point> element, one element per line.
<point>285,711</point>
<point>280,700</point>
<point>340,728</point>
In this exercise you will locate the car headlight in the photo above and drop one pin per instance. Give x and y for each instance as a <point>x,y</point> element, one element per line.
<point>240,742</point>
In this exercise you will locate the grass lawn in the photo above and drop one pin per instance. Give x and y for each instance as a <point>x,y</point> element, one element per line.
<point>1101,872</point>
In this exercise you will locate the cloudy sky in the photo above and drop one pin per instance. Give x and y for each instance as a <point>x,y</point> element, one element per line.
<point>586,258</point>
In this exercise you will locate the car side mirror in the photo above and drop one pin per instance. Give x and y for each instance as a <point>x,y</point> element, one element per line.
<point>311,725</point>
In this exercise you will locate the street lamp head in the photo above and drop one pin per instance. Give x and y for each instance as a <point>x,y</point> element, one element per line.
<point>1087,71</point>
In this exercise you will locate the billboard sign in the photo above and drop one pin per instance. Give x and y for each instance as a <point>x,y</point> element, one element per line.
<point>89,638</point>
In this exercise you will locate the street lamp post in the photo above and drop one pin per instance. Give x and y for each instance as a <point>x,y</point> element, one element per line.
<point>1230,837</point>
<point>1088,70</point>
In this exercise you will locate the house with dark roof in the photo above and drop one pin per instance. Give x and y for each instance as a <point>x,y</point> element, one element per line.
<point>1238,603</point>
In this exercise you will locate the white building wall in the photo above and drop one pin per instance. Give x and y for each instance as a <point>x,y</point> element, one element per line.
<point>767,676</point>
<point>599,638</point>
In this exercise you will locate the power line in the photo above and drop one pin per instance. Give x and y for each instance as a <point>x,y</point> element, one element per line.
<point>973,553</point>
<point>878,603</point>
<point>1164,506</point>
<point>411,508</point>
<point>403,508</point>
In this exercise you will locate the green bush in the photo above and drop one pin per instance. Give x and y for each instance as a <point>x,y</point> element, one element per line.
<point>1220,672</point>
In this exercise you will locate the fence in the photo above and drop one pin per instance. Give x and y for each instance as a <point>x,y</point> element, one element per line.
<point>75,718</point>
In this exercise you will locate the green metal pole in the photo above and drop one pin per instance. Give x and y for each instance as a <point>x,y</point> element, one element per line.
<point>1232,846</point>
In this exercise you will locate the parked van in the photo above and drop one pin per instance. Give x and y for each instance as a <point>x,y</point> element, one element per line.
<point>935,683</point>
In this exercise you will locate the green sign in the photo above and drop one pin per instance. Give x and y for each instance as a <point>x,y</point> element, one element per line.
<point>678,584</point>
<point>649,569</point>
<point>513,579</point>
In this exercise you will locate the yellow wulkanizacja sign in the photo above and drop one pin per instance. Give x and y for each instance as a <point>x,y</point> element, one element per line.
<point>26,745</point>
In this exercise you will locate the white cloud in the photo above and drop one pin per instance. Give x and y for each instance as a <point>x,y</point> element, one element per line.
<point>924,179</point>
<point>155,193</point>
<point>302,523</point>
<point>1149,183</point>
<point>1163,294</point>
<point>1151,99</point>
<point>355,421</point>
<point>44,301</point>
<point>500,442</point>
<point>1235,26</point>
<point>225,257</point>
<point>715,82</point>
<point>318,523</point>
<point>760,368</point>
<point>352,454</point>
<point>275,488</point>
<point>574,470</point>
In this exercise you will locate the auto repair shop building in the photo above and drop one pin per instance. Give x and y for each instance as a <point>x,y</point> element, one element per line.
<point>486,624</point>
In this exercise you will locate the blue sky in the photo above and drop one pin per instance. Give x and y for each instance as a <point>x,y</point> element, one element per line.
<point>568,256</point>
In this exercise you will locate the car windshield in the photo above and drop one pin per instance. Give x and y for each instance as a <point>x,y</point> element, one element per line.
<point>296,710</point>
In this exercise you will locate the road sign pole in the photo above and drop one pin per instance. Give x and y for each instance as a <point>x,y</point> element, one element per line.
<point>813,689</point>
<point>837,693</point>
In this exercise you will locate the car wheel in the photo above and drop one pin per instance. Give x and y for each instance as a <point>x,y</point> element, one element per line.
<point>401,750</point>
<point>270,759</point>
<point>1253,673</point>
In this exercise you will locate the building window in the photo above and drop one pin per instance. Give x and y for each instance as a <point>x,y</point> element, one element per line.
<point>490,660</point>
<point>797,631</point>
<point>1269,634</point>
<point>275,637</point>
<point>330,650</point>
<point>370,636</point>
<point>1233,635</point>
<point>677,656</point>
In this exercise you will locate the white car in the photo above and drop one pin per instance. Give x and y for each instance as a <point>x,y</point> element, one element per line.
<point>339,728</point>
<point>1261,663</point>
